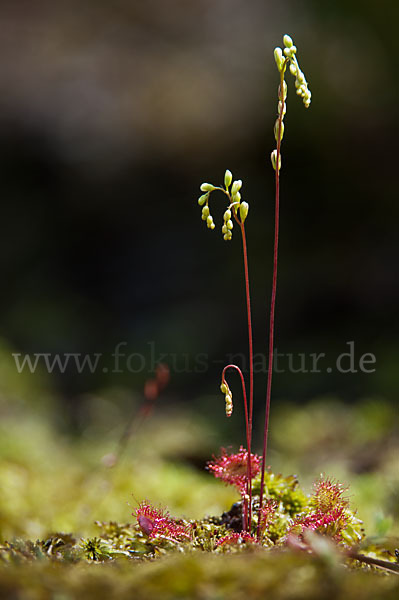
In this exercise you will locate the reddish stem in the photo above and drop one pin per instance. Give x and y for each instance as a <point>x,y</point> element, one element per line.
<point>247,510</point>
<point>251,365</point>
<point>273,297</point>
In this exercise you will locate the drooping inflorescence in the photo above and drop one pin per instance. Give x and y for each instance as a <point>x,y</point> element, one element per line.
<point>228,397</point>
<point>284,58</point>
<point>235,207</point>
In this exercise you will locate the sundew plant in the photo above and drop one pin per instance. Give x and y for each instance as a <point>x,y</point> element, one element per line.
<point>272,510</point>
<point>237,212</point>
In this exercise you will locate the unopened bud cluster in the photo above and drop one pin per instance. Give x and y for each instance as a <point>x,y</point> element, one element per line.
<point>288,56</point>
<point>283,58</point>
<point>228,397</point>
<point>203,201</point>
<point>232,190</point>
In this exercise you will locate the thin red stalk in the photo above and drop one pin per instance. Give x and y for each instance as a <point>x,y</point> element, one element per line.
<point>273,298</point>
<point>251,367</point>
<point>249,478</point>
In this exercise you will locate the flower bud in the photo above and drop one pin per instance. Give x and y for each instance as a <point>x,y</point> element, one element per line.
<point>229,405</point>
<point>229,224</point>
<point>223,388</point>
<point>227,215</point>
<point>244,208</point>
<point>205,212</point>
<point>228,177</point>
<point>227,236</point>
<point>278,129</point>
<point>236,186</point>
<point>287,39</point>
<point>300,77</point>
<point>273,157</point>
<point>202,199</point>
<point>306,99</point>
<point>207,187</point>
<point>236,198</point>
<point>278,57</point>
<point>224,230</point>
<point>209,222</point>
<point>281,107</point>
<point>293,69</point>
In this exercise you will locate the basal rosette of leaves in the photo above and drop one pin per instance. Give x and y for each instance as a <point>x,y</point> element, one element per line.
<point>289,516</point>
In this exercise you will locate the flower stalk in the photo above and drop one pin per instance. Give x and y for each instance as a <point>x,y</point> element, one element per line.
<point>283,59</point>
<point>238,211</point>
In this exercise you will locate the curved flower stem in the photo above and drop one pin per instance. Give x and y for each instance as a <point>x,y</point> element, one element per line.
<point>251,365</point>
<point>273,297</point>
<point>247,509</point>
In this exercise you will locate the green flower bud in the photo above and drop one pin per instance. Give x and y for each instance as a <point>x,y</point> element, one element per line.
<point>224,230</point>
<point>209,222</point>
<point>300,77</point>
<point>202,199</point>
<point>293,69</point>
<point>229,405</point>
<point>273,157</point>
<point>228,177</point>
<point>205,212</point>
<point>244,208</point>
<point>223,388</point>
<point>227,236</point>
<point>278,57</point>
<point>229,224</point>
<point>236,198</point>
<point>280,106</point>
<point>237,185</point>
<point>207,187</point>
<point>287,41</point>
<point>227,215</point>
<point>276,130</point>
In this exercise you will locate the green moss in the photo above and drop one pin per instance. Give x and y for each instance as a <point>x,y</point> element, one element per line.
<point>258,574</point>
<point>56,483</point>
<point>285,490</point>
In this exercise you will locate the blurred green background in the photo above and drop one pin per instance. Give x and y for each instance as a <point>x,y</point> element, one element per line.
<point>111,115</point>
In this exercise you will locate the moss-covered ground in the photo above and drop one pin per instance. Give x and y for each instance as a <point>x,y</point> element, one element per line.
<point>60,491</point>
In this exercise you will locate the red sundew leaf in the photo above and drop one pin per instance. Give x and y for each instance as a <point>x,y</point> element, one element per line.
<point>146,524</point>
<point>155,523</point>
<point>232,468</point>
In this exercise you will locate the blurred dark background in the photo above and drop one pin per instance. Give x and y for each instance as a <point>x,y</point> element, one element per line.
<point>113,113</point>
